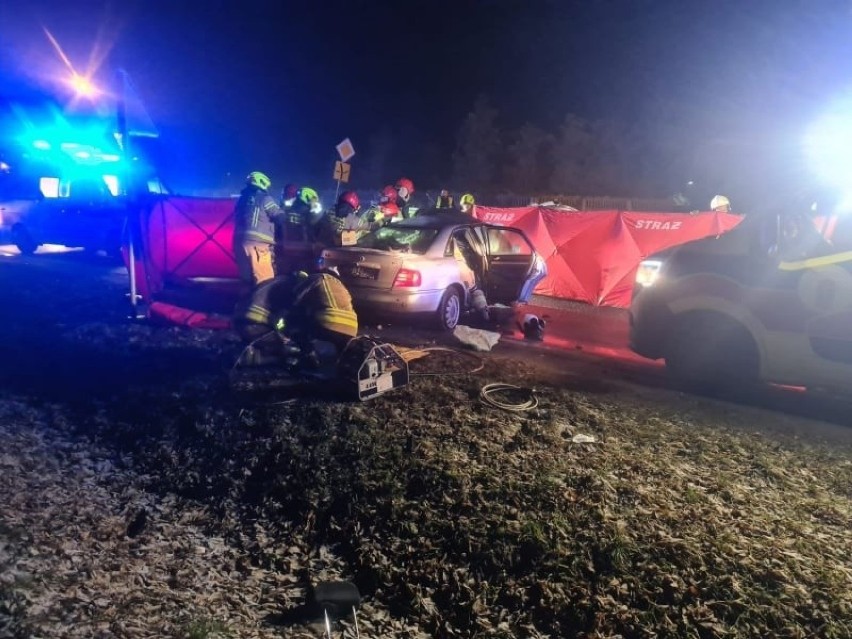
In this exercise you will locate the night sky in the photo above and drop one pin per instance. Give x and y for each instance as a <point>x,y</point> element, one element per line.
<point>236,86</point>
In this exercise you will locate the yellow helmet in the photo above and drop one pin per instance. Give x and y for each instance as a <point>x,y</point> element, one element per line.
<point>467,200</point>
<point>307,195</point>
<point>258,179</point>
<point>719,201</point>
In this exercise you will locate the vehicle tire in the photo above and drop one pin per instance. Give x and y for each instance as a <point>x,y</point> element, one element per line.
<point>709,352</point>
<point>449,310</point>
<point>23,240</point>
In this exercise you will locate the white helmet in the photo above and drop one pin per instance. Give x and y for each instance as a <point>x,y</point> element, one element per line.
<point>719,201</point>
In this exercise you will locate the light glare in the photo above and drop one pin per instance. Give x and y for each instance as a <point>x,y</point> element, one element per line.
<point>83,86</point>
<point>828,147</point>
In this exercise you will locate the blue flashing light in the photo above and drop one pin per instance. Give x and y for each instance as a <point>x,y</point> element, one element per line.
<point>112,184</point>
<point>49,186</point>
<point>110,157</point>
<point>41,145</point>
<point>82,155</point>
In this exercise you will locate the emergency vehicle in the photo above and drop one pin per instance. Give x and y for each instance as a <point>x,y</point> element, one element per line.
<point>770,301</point>
<point>65,178</point>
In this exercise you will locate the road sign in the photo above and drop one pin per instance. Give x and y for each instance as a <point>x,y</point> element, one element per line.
<point>341,171</point>
<point>345,150</point>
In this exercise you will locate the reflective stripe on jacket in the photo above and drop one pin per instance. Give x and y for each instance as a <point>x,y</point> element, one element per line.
<point>324,299</point>
<point>319,299</point>
<point>254,216</point>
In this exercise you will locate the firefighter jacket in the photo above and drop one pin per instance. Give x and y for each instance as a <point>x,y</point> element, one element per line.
<point>404,208</point>
<point>269,301</point>
<point>444,202</point>
<point>322,300</point>
<point>301,224</point>
<point>254,216</point>
<point>303,302</point>
<point>330,229</point>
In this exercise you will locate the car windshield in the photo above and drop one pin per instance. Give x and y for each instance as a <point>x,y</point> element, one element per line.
<point>400,238</point>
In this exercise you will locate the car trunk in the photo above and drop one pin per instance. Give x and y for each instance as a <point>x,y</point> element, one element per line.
<point>363,267</point>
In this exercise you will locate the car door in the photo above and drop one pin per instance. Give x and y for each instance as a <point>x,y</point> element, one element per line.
<point>509,258</point>
<point>818,274</point>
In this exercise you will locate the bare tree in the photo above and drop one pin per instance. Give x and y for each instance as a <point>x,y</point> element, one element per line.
<point>478,148</point>
<point>528,160</point>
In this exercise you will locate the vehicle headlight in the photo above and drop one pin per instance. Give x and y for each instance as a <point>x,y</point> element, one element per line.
<point>648,272</point>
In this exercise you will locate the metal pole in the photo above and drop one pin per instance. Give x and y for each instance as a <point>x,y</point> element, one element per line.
<point>123,138</point>
<point>336,194</point>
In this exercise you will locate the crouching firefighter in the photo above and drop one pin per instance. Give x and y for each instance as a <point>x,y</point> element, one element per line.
<point>286,316</point>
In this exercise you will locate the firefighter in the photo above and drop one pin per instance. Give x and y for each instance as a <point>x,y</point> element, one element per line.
<point>382,213</point>
<point>404,190</point>
<point>720,204</point>
<point>254,230</point>
<point>288,195</point>
<point>445,200</point>
<point>467,204</point>
<point>344,217</point>
<point>303,216</point>
<point>299,308</point>
<point>389,206</point>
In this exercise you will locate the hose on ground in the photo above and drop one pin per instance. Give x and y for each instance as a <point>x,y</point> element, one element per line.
<point>516,398</point>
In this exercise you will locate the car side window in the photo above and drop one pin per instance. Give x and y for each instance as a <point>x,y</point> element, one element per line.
<point>507,242</point>
<point>449,248</point>
<point>799,238</point>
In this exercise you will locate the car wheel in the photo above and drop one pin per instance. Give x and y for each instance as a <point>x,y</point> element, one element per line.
<point>449,310</point>
<point>23,240</point>
<point>712,353</point>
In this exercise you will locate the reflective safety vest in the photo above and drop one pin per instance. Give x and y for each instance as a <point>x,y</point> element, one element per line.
<point>444,202</point>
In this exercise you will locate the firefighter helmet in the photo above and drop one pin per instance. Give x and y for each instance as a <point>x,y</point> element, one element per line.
<point>351,198</point>
<point>405,188</point>
<point>258,179</point>
<point>467,200</point>
<point>388,194</point>
<point>290,192</point>
<point>720,201</point>
<point>389,210</point>
<point>307,195</point>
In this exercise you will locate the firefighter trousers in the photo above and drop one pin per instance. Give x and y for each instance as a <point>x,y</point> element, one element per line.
<point>254,260</point>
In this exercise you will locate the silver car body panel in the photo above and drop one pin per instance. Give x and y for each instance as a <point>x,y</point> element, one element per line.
<point>370,273</point>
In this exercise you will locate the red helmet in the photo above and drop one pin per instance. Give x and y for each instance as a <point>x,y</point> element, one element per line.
<point>350,198</point>
<point>290,191</point>
<point>389,209</point>
<point>406,184</point>
<point>388,194</point>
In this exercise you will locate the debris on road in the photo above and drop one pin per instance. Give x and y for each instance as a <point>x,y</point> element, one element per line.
<point>477,338</point>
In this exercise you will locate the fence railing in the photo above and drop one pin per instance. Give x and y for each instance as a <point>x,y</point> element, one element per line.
<point>584,202</point>
<point>428,198</point>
